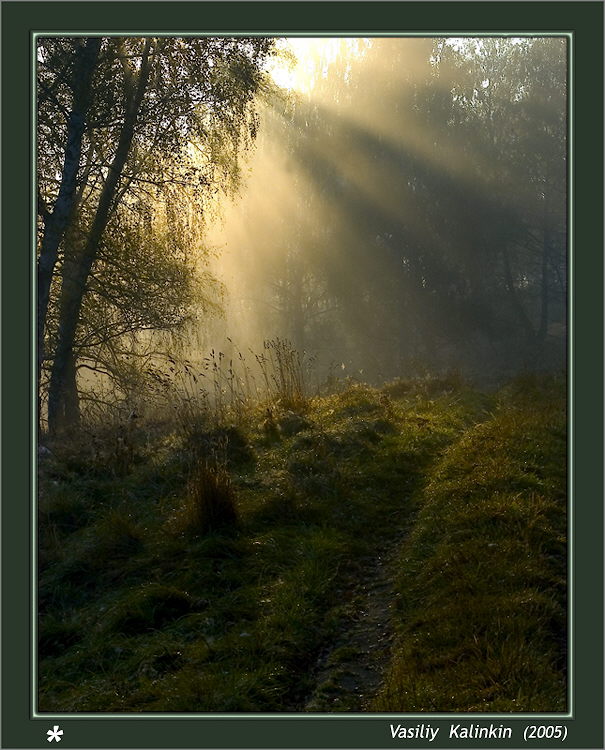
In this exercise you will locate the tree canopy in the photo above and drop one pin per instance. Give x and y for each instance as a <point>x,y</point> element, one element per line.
<point>426,216</point>
<point>136,136</point>
<point>409,207</point>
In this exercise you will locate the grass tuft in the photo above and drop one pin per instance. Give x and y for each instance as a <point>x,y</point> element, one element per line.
<point>209,503</point>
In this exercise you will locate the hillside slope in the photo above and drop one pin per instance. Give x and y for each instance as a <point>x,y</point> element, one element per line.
<point>362,554</point>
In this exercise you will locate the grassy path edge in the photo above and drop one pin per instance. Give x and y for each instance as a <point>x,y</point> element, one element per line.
<point>482,604</point>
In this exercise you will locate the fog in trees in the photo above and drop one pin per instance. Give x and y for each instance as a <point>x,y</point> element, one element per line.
<point>301,329</point>
<point>407,211</point>
<point>389,207</point>
<point>135,135</point>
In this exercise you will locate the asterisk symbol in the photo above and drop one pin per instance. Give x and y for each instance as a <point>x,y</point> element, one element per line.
<point>54,733</point>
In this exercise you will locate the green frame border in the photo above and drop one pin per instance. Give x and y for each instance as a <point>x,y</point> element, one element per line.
<point>582,22</point>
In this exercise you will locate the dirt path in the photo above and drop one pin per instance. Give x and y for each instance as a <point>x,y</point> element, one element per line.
<point>350,670</point>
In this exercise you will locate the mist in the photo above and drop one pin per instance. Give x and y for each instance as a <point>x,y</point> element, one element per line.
<point>301,347</point>
<point>403,210</point>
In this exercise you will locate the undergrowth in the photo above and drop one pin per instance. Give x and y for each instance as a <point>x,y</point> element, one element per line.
<point>210,575</point>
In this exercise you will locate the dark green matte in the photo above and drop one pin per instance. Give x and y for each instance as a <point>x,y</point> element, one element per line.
<point>19,20</point>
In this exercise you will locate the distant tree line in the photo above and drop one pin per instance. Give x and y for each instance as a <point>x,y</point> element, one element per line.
<point>414,212</point>
<point>428,219</point>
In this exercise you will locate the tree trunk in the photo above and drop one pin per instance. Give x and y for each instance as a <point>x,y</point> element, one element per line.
<point>57,220</point>
<point>69,403</point>
<point>544,294</point>
<point>72,402</point>
<point>515,302</point>
<point>77,273</point>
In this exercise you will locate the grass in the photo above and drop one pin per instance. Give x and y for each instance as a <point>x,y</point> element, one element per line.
<point>209,503</point>
<point>483,575</point>
<point>215,572</point>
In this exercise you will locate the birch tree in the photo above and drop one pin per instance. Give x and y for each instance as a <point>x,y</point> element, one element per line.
<point>159,113</point>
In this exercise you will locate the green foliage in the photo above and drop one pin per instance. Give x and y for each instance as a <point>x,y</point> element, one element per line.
<point>116,536</point>
<point>55,636</point>
<point>161,126</point>
<point>61,507</point>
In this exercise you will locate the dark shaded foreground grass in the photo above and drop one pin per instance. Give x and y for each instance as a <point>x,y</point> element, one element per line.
<point>145,606</point>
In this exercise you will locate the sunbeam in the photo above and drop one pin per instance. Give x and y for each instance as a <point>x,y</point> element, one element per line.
<point>301,315</point>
